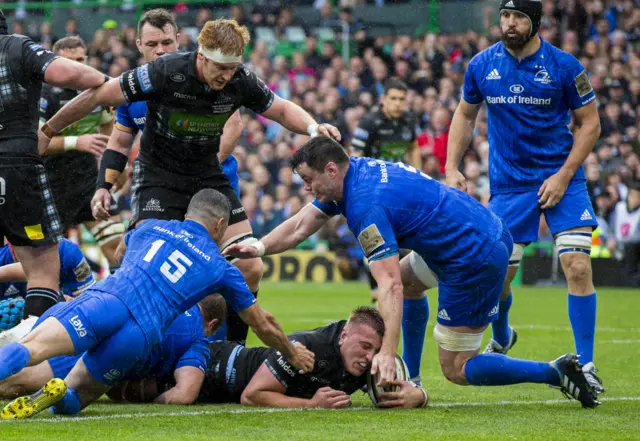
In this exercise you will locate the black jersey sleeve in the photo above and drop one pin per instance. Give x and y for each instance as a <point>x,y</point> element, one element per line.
<point>49,103</point>
<point>283,370</point>
<point>256,95</point>
<point>29,58</point>
<point>412,122</point>
<point>144,82</point>
<point>364,136</point>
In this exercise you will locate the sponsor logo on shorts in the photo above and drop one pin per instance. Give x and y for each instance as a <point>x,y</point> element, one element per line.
<point>286,366</point>
<point>586,216</point>
<point>494,311</point>
<point>78,326</point>
<point>11,291</point>
<point>34,232</point>
<point>153,205</point>
<point>237,210</point>
<point>113,375</point>
<point>443,315</point>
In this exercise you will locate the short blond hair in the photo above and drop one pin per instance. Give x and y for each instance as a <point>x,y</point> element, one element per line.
<point>226,35</point>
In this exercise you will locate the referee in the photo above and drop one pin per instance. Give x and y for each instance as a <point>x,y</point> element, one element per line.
<point>28,216</point>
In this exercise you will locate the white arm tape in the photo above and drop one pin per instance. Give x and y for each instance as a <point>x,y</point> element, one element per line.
<point>422,270</point>
<point>70,143</point>
<point>258,246</point>
<point>312,130</point>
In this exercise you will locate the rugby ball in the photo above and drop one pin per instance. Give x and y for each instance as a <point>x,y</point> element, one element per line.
<point>402,373</point>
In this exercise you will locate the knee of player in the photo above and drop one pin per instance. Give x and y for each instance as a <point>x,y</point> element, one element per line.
<point>453,373</point>
<point>578,270</point>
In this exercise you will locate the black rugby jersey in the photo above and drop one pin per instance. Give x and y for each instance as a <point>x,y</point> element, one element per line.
<point>382,138</point>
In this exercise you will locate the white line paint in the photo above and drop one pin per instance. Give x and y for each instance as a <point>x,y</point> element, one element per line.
<point>143,415</point>
<point>620,342</point>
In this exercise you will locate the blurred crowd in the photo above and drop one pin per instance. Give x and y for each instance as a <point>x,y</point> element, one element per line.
<point>603,34</point>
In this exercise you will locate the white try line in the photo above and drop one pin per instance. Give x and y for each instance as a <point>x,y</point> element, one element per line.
<point>516,326</point>
<point>620,342</point>
<point>143,415</point>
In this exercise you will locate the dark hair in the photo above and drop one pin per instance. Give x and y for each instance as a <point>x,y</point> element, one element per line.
<point>72,42</point>
<point>213,307</point>
<point>318,152</point>
<point>158,18</point>
<point>209,205</point>
<point>366,315</point>
<point>395,83</point>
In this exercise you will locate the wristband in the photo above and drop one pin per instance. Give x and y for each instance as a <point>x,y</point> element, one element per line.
<point>259,246</point>
<point>70,143</point>
<point>112,165</point>
<point>426,397</point>
<point>312,130</point>
<point>48,131</point>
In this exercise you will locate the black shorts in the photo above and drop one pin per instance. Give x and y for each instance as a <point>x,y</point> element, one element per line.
<point>28,215</point>
<point>160,194</point>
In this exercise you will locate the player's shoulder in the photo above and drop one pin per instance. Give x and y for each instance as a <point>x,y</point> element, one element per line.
<point>558,58</point>
<point>319,338</point>
<point>491,54</point>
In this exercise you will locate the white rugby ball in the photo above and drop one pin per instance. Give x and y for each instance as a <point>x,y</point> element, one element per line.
<point>402,373</point>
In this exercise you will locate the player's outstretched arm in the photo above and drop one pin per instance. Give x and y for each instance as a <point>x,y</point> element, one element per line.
<point>12,273</point>
<point>188,382</point>
<point>294,118</point>
<point>265,390</point>
<point>267,328</point>
<point>70,74</point>
<point>286,236</point>
<point>230,135</point>
<point>460,134</point>
<point>386,271</point>
<point>408,397</point>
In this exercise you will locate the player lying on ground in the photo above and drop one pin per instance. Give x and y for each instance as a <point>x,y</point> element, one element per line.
<point>190,96</point>
<point>392,206</point>
<point>264,377</point>
<point>531,89</point>
<point>120,319</point>
<point>75,277</point>
<point>183,353</point>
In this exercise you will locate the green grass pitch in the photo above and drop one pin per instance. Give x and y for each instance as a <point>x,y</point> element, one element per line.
<point>525,412</point>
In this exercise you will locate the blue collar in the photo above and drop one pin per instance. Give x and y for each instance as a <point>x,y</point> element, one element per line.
<point>533,56</point>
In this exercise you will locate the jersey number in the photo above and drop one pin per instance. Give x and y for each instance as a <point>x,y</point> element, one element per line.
<point>412,169</point>
<point>176,258</point>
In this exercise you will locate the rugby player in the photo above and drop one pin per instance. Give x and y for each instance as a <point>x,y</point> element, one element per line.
<point>157,36</point>
<point>264,377</point>
<point>120,319</point>
<point>535,162</point>
<point>389,133</point>
<point>72,158</point>
<point>190,97</point>
<point>183,354</point>
<point>391,206</point>
<point>28,216</point>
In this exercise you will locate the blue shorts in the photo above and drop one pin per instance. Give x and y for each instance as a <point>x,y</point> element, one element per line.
<point>521,212</point>
<point>62,365</point>
<point>100,325</point>
<point>230,168</point>
<point>472,299</point>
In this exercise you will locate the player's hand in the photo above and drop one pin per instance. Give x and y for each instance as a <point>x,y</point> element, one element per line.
<point>328,398</point>
<point>552,190</point>
<point>241,251</point>
<point>100,204</point>
<point>303,359</point>
<point>408,397</point>
<point>95,144</point>
<point>43,142</point>
<point>386,365</point>
<point>456,179</point>
<point>330,131</point>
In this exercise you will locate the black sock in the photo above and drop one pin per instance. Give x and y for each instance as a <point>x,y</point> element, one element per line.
<point>38,300</point>
<point>237,330</point>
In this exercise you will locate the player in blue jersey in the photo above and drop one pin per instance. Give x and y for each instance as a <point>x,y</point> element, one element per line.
<point>183,352</point>
<point>531,89</point>
<point>75,277</point>
<point>391,206</point>
<point>120,319</point>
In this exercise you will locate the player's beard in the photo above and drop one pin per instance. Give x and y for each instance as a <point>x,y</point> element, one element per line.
<point>514,41</point>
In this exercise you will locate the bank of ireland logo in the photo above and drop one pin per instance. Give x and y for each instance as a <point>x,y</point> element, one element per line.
<point>516,88</point>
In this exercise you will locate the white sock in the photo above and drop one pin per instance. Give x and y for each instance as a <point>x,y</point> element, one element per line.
<point>16,333</point>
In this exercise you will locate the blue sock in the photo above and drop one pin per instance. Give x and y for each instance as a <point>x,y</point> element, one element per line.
<point>582,315</point>
<point>415,315</point>
<point>500,370</point>
<point>500,327</point>
<point>68,405</point>
<point>221,333</point>
<point>13,358</point>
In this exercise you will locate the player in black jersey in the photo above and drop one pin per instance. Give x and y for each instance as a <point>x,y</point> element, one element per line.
<point>388,133</point>
<point>72,158</point>
<point>264,377</point>
<point>190,96</point>
<point>28,216</point>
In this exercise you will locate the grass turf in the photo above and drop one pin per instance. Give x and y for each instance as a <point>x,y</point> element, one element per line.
<point>466,413</point>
